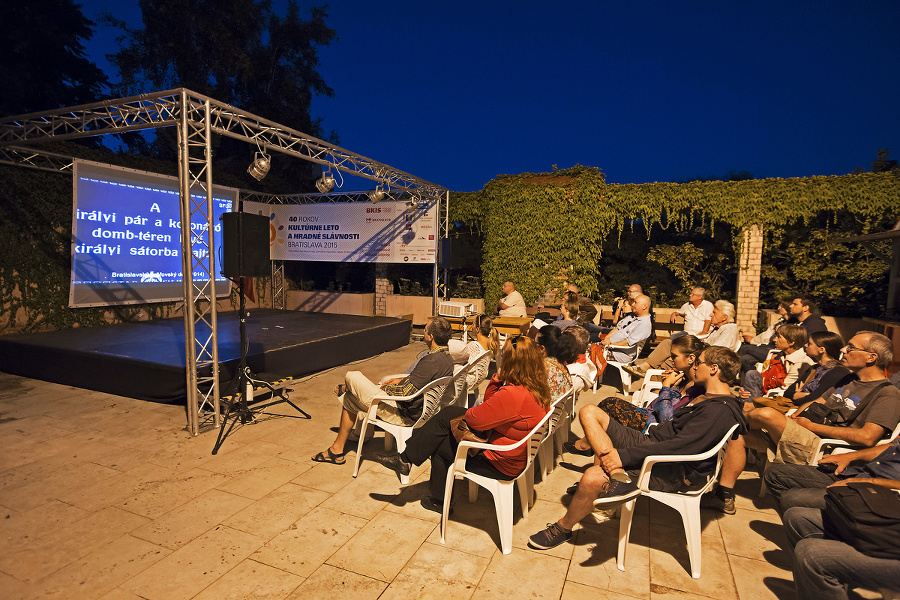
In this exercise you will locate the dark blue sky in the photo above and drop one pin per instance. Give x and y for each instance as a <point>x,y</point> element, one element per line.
<point>460,92</point>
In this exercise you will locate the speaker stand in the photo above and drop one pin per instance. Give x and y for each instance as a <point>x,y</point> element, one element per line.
<point>240,388</point>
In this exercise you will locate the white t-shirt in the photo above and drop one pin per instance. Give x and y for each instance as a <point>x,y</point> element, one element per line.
<point>516,305</point>
<point>694,318</point>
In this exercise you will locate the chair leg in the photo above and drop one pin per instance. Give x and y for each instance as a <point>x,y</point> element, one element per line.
<point>625,514</point>
<point>448,495</point>
<point>359,444</point>
<point>503,504</point>
<point>690,515</point>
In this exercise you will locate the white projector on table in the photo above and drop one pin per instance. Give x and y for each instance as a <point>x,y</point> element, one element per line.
<point>455,309</point>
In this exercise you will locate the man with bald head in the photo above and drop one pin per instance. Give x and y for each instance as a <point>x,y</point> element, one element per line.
<point>629,332</point>
<point>511,304</point>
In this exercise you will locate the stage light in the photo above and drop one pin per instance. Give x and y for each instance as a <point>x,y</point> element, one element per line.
<point>412,204</point>
<point>376,195</point>
<point>259,168</point>
<point>325,183</point>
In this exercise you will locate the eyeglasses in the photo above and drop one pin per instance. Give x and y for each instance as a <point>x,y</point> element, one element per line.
<point>852,348</point>
<point>514,340</point>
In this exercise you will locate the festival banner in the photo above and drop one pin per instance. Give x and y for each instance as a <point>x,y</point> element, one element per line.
<point>387,232</point>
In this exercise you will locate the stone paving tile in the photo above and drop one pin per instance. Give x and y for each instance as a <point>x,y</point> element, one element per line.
<point>173,492</point>
<point>276,511</point>
<point>330,582</point>
<point>382,548</point>
<point>436,573</point>
<point>68,543</point>
<point>669,564</point>
<point>192,519</point>
<point>19,529</point>
<point>101,571</point>
<point>194,566</point>
<point>777,581</point>
<point>251,581</point>
<point>529,574</point>
<point>308,543</point>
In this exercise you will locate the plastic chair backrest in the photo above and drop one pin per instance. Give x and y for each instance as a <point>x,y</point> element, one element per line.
<point>434,397</point>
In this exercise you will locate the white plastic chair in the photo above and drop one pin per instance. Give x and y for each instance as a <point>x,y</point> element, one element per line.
<point>463,392</point>
<point>502,491</point>
<point>687,504</point>
<point>830,445</point>
<point>620,366</point>
<point>559,423</point>
<point>649,389</point>
<point>437,395</point>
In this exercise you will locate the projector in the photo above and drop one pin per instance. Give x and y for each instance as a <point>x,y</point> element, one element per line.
<point>455,309</point>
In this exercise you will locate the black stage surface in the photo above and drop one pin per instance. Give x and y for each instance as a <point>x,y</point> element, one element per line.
<point>146,360</point>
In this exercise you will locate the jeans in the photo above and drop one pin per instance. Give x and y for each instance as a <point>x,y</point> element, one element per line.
<point>798,485</point>
<point>433,440</point>
<point>822,566</point>
<point>753,383</point>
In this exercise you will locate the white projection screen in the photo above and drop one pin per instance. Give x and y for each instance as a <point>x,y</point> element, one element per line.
<point>126,237</point>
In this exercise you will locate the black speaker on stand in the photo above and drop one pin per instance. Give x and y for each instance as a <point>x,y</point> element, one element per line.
<point>245,253</point>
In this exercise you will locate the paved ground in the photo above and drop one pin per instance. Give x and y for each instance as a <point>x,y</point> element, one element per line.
<point>109,497</point>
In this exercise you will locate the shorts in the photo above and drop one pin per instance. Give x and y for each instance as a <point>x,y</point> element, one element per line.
<point>668,477</point>
<point>797,445</point>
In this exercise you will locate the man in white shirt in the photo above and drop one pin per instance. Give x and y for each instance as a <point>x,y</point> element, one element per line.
<point>511,304</point>
<point>630,331</point>
<point>697,313</point>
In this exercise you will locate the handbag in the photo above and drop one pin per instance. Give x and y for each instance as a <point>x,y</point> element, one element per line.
<point>834,412</point>
<point>774,376</point>
<point>461,432</point>
<point>865,516</point>
<point>779,403</point>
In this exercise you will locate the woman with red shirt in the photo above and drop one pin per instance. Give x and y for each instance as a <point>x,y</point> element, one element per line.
<point>516,400</point>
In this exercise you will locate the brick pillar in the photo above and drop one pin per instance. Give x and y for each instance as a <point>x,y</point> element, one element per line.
<point>749,271</point>
<point>383,289</point>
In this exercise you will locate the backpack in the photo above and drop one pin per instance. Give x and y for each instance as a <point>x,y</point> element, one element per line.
<point>865,516</point>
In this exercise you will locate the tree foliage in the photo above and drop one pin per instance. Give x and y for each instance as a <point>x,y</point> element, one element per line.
<point>239,52</point>
<point>42,57</point>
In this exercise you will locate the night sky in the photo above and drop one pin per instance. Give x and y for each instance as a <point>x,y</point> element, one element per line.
<point>459,92</point>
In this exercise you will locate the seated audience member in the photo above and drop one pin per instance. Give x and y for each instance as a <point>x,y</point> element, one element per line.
<point>804,485</point>
<point>697,313</point>
<point>568,312</point>
<point>678,388</point>
<point>583,370</point>
<point>623,340</point>
<point>789,341</point>
<point>620,451</point>
<point>794,439</point>
<point>357,392</point>
<point>516,400</point>
<point>511,304</point>
<point>560,349</point>
<point>487,338</point>
<point>824,347</point>
<point>828,560</point>
<point>724,332</point>
<point>803,310</point>
<point>587,312</point>
<point>623,305</point>
<point>861,412</point>
<point>757,348</point>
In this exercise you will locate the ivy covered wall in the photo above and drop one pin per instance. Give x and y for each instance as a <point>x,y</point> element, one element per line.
<point>535,224</point>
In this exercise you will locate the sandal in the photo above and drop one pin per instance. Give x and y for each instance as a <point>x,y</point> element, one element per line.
<point>571,448</point>
<point>339,389</point>
<point>331,457</point>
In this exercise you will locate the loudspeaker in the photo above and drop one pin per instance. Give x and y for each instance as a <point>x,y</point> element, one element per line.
<point>245,245</point>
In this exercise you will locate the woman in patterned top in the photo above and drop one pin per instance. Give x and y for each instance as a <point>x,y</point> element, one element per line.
<point>486,338</point>
<point>560,349</point>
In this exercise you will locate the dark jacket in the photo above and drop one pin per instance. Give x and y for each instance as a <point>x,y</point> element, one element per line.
<point>694,428</point>
<point>812,324</point>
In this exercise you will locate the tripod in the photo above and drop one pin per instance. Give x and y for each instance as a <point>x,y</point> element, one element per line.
<point>241,386</point>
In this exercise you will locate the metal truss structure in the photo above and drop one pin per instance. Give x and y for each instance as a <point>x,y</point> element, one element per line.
<point>197,118</point>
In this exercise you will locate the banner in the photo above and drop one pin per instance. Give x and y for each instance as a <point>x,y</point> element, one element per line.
<point>351,231</point>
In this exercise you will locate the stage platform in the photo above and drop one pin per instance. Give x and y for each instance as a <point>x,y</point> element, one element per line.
<point>145,360</point>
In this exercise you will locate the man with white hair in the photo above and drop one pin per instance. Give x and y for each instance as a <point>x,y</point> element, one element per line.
<point>697,313</point>
<point>724,331</point>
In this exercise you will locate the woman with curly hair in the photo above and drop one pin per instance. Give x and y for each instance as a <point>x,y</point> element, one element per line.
<point>516,400</point>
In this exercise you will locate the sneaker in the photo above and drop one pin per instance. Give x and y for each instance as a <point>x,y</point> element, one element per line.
<point>393,461</point>
<point>636,370</point>
<point>551,537</point>
<point>714,502</point>
<point>620,490</point>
